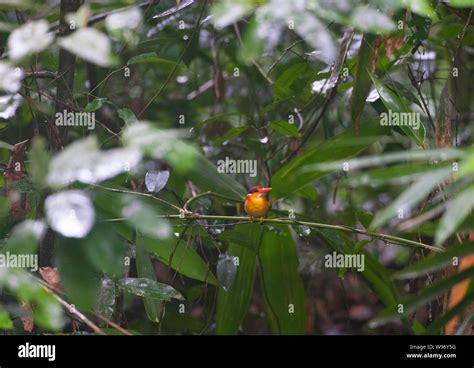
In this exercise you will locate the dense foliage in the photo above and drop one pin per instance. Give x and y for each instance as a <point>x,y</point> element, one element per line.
<point>131,131</point>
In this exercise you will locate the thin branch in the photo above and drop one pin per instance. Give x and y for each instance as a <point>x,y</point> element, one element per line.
<point>43,74</point>
<point>151,196</point>
<point>343,228</point>
<point>113,324</point>
<point>70,307</point>
<point>418,90</point>
<point>207,194</point>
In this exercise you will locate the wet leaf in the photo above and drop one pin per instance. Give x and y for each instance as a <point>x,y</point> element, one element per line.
<point>30,38</point>
<point>93,166</point>
<point>105,304</point>
<point>145,218</point>
<point>130,18</point>
<point>127,116</point>
<point>149,288</point>
<point>10,77</point>
<point>155,181</point>
<point>90,45</point>
<point>70,213</point>
<point>226,270</point>
<point>457,210</point>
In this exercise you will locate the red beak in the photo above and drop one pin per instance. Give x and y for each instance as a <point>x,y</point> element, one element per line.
<point>264,190</point>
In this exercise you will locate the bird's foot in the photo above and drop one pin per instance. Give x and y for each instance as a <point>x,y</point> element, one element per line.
<point>261,220</point>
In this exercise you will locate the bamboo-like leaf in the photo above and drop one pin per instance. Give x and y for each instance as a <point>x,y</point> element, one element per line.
<point>458,209</point>
<point>394,103</point>
<point>282,286</point>
<point>145,270</point>
<point>232,304</point>
<point>424,296</point>
<point>183,258</point>
<point>411,196</point>
<point>375,273</point>
<point>368,54</point>
<point>297,173</point>
<point>435,262</point>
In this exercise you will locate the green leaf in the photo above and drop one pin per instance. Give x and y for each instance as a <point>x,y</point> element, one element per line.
<point>5,322</point>
<point>252,46</point>
<point>395,175</point>
<point>30,38</point>
<point>145,218</point>
<point>293,176</point>
<point>228,12</point>
<point>461,3</point>
<point>47,312</point>
<point>230,134</point>
<point>127,116</point>
<point>435,262</point>
<point>105,250</point>
<point>395,104</point>
<point>457,210</point>
<point>422,7</point>
<point>368,53</point>
<point>424,296</point>
<point>217,118</point>
<point>183,157</point>
<point>204,174</point>
<point>90,45</point>
<point>81,283</point>
<point>282,286</point>
<point>94,166</point>
<point>183,258</point>
<point>151,57</point>
<point>25,238</point>
<point>368,19</point>
<point>436,326</point>
<point>3,144</point>
<point>285,128</point>
<point>145,270</point>
<point>282,86</point>
<point>95,105</point>
<point>374,272</point>
<point>232,304</point>
<point>39,157</point>
<point>411,196</point>
<point>149,288</point>
<point>105,304</point>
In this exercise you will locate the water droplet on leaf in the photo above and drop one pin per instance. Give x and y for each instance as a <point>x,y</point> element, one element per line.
<point>226,270</point>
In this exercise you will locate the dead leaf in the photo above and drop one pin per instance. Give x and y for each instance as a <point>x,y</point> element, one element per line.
<point>26,320</point>
<point>19,206</point>
<point>51,276</point>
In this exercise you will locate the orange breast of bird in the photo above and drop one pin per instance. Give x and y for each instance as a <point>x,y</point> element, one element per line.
<point>256,206</point>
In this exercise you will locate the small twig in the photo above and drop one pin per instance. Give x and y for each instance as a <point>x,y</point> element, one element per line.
<point>43,74</point>
<point>113,324</point>
<point>151,196</point>
<point>71,308</point>
<point>418,90</point>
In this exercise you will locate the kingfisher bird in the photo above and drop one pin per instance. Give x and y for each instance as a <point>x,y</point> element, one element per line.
<point>256,203</point>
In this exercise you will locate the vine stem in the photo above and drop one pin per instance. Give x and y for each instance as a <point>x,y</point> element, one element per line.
<point>207,194</point>
<point>384,237</point>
